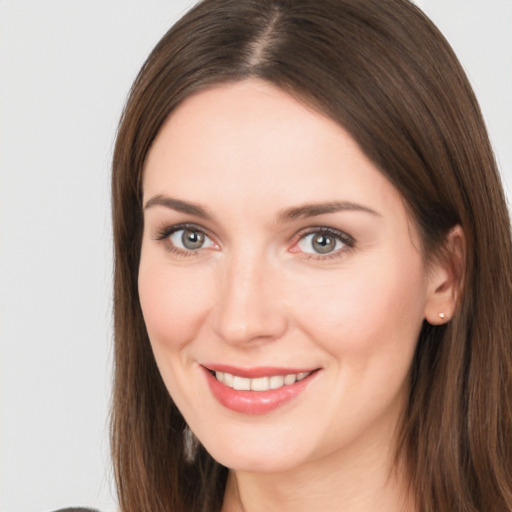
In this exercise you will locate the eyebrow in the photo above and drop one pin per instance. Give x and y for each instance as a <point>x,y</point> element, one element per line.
<point>178,205</point>
<point>286,215</point>
<point>312,210</point>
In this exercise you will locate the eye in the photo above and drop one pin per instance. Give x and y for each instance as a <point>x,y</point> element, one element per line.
<point>190,239</point>
<point>323,242</point>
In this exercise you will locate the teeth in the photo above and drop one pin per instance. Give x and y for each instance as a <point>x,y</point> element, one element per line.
<point>290,379</point>
<point>228,379</point>
<point>241,384</point>
<point>259,383</point>
<point>276,381</point>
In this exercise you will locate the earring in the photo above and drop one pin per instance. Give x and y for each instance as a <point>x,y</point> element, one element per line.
<point>190,444</point>
<point>442,316</point>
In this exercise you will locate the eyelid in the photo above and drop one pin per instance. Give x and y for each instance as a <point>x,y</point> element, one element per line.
<point>167,230</point>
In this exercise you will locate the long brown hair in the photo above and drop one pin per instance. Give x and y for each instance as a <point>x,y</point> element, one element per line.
<point>382,71</point>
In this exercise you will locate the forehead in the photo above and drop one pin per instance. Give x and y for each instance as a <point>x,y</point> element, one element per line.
<point>251,139</point>
<point>251,116</point>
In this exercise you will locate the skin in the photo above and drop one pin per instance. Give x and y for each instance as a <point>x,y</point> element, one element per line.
<point>257,294</point>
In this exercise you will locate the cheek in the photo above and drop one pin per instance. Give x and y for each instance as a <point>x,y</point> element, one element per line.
<point>369,324</point>
<point>174,303</point>
<point>368,310</point>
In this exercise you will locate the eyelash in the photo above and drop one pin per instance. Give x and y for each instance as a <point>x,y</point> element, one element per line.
<point>348,242</point>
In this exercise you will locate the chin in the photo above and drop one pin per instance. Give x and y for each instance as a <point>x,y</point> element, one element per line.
<point>253,462</point>
<point>262,456</point>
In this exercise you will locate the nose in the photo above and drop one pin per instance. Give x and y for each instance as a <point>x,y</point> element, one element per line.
<point>250,308</point>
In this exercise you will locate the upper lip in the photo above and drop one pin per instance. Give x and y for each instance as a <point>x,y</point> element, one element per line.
<point>257,371</point>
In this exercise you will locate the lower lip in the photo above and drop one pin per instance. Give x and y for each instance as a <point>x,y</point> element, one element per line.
<point>255,402</point>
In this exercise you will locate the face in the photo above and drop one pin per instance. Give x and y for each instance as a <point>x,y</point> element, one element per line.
<point>281,280</point>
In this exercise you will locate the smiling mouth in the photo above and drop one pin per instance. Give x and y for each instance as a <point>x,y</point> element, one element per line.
<point>259,383</point>
<point>257,390</point>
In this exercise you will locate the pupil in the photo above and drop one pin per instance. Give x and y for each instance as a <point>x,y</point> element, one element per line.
<point>192,239</point>
<point>323,243</point>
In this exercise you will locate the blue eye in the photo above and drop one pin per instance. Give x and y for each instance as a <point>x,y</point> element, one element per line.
<point>190,239</point>
<point>323,242</point>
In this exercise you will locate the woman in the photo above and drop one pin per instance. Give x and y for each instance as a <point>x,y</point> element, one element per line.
<point>312,276</point>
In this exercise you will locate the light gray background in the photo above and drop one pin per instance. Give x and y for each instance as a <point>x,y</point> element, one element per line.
<point>65,69</point>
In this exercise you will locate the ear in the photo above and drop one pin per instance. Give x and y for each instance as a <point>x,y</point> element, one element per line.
<point>446,278</point>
